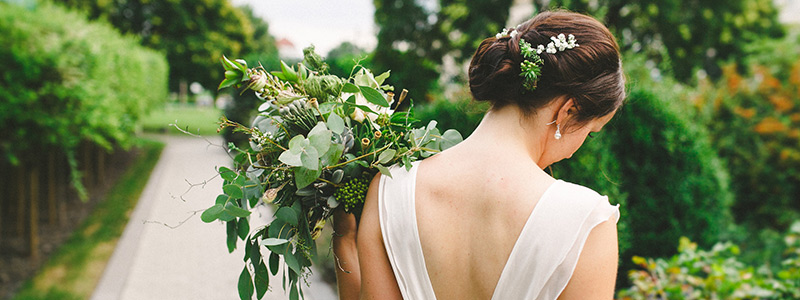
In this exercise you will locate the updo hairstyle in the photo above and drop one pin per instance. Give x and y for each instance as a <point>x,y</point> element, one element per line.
<point>590,74</point>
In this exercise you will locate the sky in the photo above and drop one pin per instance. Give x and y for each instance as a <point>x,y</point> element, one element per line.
<point>324,23</point>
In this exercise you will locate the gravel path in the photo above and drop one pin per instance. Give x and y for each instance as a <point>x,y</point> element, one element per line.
<point>190,261</point>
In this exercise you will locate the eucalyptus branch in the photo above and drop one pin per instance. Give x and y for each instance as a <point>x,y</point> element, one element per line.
<point>357,158</point>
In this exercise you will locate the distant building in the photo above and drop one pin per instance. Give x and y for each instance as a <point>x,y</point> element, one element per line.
<point>287,50</point>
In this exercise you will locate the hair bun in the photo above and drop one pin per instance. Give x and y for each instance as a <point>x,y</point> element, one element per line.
<point>591,74</point>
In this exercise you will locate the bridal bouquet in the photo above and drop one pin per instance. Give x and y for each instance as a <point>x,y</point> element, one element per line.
<point>315,145</point>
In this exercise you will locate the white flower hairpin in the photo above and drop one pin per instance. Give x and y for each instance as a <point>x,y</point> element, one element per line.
<point>532,63</point>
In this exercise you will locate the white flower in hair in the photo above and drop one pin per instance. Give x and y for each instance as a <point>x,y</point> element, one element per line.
<point>539,49</point>
<point>551,48</point>
<point>514,34</point>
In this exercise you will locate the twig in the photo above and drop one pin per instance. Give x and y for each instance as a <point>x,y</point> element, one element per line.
<point>175,226</point>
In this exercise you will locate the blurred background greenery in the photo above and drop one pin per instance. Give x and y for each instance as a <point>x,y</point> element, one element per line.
<point>707,146</point>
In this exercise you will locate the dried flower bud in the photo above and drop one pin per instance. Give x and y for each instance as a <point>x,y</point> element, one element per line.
<point>257,81</point>
<point>364,143</point>
<point>377,134</point>
<point>313,103</point>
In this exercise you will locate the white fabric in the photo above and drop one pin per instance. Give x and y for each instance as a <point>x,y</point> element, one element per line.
<point>542,260</point>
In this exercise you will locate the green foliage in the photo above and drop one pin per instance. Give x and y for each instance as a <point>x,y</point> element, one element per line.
<point>684,35</point>
<point>715,274</point>
<point>461,114</point>
<point>344,58</point>
<point>192,34</point>
<point>674,181</point>
<point>68,80</point>
<point>414,38</point>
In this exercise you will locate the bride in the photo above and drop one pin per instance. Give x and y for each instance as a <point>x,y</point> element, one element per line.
<point>482,220</point>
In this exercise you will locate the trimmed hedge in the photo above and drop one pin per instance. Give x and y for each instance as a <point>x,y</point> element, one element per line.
<point>66,79</point>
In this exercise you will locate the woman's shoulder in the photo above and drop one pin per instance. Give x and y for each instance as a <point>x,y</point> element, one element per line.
<point>573,196</point>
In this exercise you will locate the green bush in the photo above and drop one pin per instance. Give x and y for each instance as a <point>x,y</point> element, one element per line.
<point>675,183</point>
<point>66,80</point>
<point>462,114</point>
<point>715,274</point>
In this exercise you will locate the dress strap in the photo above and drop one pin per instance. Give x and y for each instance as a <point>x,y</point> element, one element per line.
<point>398,220</point>
<point>547,250</point>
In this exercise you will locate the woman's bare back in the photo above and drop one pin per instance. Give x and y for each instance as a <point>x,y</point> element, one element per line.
<point>470,213</point>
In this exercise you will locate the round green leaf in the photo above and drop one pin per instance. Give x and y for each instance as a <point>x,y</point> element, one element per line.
<point>287,215</point>
<point>232,190</point>
<point>211,214</point>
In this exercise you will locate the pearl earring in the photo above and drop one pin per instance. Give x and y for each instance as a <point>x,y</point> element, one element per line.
<point>558,132</point>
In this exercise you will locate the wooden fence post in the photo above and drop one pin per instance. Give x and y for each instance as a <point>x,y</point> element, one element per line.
<point>33,239</point>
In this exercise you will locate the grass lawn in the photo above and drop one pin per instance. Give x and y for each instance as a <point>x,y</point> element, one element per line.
<point>194,119</point>
<point>74,270</point>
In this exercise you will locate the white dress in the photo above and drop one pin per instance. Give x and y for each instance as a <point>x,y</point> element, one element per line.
<point>542,260</point>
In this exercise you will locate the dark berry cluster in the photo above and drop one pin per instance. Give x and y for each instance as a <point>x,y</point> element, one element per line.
<point>352,193</point>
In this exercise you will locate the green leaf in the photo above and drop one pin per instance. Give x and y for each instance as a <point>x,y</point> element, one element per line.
<point>293,293</point>
<point>381,78</point>
<point>333,155</point>
<point>320,138</point>
<point>261,280</point>
<point>273,263</point>
<point>232,238</point>
<point>296,141</point>
<point>350,88</point>
<point>304,176</point>
<point>235,210</point>
<point>287,214</point>
<point>221,199</point>
<point>243,227</point>
<point>227,174</point>
<point>232,190</point>
<point>374,96</point>
<point>291,158</point>
<point>291,261</point>
<point>227,83</point>
<point>335,123</point>
<point>273,242</point>
<point>211,214</point>
<point>384,170</point>
<point>386,156</point>
<point>309,158</point>
<point>288,72</point>
<point>450,138</point>
<point>279,75</point>
<point>245,285</point>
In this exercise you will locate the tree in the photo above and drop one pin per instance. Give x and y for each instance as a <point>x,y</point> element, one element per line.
<point>683,35</point>
<point>193,34</point>
<point>414,38</point>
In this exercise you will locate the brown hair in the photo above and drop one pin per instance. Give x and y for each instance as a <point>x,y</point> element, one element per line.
<point>590,74</point>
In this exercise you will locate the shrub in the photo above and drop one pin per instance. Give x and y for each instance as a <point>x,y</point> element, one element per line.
<point>715,274</point>
<point>66,79</point>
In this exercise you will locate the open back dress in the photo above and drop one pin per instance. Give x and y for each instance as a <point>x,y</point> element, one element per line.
<point>542,260</point>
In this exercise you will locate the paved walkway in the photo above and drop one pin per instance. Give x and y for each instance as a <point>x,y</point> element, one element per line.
<point>191,261</point>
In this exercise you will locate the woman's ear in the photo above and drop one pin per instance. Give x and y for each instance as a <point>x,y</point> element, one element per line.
<point>566,111</point>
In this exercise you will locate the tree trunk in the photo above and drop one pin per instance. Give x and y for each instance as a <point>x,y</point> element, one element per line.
<point>63,189</point>
<point>87,165</point>
<point>21,187</point>
<point>101,166</point>
<point>52,205</point>
<point>34,213</point>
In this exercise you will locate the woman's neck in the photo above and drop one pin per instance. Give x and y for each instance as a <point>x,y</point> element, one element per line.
<point>507,132</point>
